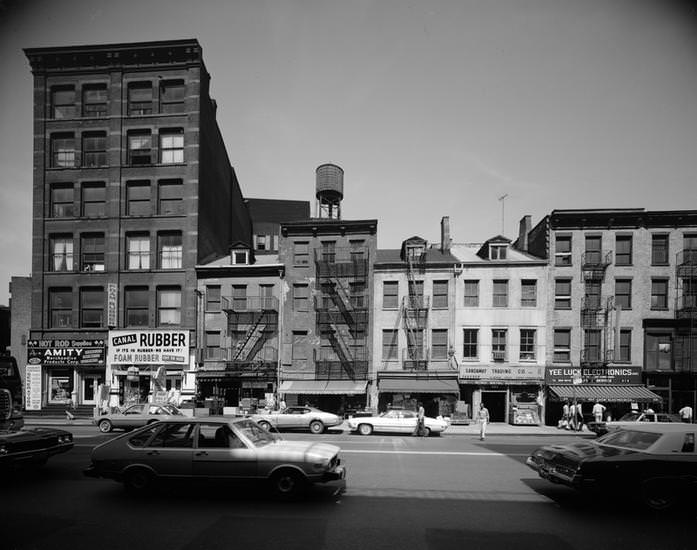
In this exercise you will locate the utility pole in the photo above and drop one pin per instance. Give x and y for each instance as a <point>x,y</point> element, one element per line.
<point>502,200</point>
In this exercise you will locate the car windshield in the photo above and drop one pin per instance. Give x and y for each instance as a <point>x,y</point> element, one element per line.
<point>255,433</point>
<point>629,439</point>
<point>630,417</point>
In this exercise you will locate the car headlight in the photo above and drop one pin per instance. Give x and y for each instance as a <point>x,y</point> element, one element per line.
<point>3,449</point>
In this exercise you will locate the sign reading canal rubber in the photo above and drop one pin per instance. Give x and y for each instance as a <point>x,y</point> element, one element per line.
<point>148,347</point>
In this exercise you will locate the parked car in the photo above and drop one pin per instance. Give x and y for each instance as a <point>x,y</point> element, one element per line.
<point>294,418</point>
<point>135,416</point>
<point>656,462</point>
<point>32,445</point>
<point>395,421</point>
<point>629,420</point>
<point>215,448</point>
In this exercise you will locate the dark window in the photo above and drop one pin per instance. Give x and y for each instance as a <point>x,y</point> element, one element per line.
<point>500,293</point>
<point>140,98</point>
<point>239,297</point>
<point>390,294</point>
<point>91,307</point>
<point>139,148</point>
<point>591,346</point>
<point>169,250</point>
<point>528,293</point>
<point>170,197</point>
<point>592,296</point>
<point>527,344</point>
<point>172,146</point>
<point>137,306</point>
<point>93,200</point>
<point>625,345</point>
<point>138,251</point>
<point>440,294</point>
<point>213,345</point>
<point>623,293</point>
<point>299,346</point>
<point>61,253</point>
<point>138,197</point>
<point>562,294</point>
<point>689,247</point>
<point>94,149</point>
<point>63,151</point>
<point>94,100</point>
<point>497,251</point>
<point>301,295</point>
<point>389,345</point>
<point>329,251</point>
<point>659,294</point>
<point>357,250</point>
<point>172,94</point>
<point>301,253</point>
<point>169,304</point>
<point>623,250</point>
<point>659,249</point>
<point>562,345</point>
<point>439,344</point>
<point>92,252</point>
<point>357,294</point>
<point>470,343</point>
<point>659,352</point>
<point>562,250</point>
<point>60,303</point>
<point>594,244</point>
<point>415,344</point>
<point>62,201</point>
<point>63,102</point>
<point>471,293</point>
<point>212,297</point>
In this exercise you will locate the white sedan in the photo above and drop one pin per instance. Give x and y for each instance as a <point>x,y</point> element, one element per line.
<point>395,421</point>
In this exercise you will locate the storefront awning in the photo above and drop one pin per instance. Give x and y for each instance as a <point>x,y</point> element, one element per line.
<point>605,394</point>
<point>412,385</point>
<point>323,386</point>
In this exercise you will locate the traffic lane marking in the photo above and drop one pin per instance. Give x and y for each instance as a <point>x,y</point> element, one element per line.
<point>444,453</point>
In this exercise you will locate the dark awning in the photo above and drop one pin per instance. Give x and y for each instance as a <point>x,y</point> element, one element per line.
<point>334,387</point>
<point>415,385</point>
<point>605,394</point>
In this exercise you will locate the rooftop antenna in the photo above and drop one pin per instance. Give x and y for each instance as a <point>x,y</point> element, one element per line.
<point>502,200</point>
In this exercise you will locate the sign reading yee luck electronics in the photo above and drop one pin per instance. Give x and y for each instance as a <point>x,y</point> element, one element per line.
<point>148,347</point>
<point>629,374</point>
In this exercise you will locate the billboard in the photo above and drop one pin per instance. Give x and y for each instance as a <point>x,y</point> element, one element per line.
<point>66,352</point>
<point>148,347</point>
<point>593,375</point>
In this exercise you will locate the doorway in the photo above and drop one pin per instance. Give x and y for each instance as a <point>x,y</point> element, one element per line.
<point>90,386</point>
<point>495,401</point>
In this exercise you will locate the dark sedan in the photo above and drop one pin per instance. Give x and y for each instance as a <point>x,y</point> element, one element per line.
<point>655,462</point>
<point>32,446</point>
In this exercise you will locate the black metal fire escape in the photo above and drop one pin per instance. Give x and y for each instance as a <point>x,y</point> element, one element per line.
<point>415,309</point>
<point>686,311</point>
<point>596,312</point>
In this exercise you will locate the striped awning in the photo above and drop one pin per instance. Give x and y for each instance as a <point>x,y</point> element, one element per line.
<point>605,393</point>
<point>333,387</point>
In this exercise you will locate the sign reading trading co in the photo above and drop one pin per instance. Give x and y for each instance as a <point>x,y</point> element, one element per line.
<point>148,347</point>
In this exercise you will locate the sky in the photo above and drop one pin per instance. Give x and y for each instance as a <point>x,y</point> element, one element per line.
<point>433,108</point>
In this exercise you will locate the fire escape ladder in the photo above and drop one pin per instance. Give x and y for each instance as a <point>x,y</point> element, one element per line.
<point>243,348</point>
<point>686,310</point>
<point>409,307</point>
<point>342,300</point>
<point>342,350</point>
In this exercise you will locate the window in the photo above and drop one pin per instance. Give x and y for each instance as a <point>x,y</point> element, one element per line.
<point>389,345</point>
<point>172,94</point>
<point>172,146</point>
<point>93,200</point>
<point>625,351</point>
<point>562,345</point>
<point>357,250</point>
<point>390,294</point>
<point>329,251</point>
<point>471,293</point>
<point>140,98</point>
<point>169,304</point>
<point>94,100</point>
<point>92,252</point>
<point>659,352</point>
<point>500,293</point>
<point>138,197</point>
<point>213,345</point>
<point>301,295</point>
<point>136,300</point>
<point>170,197</point>
<point>61,253</point>
<point>139,148</point>
<point>594,245</point>
<point>212,297</point>
<point>440,294</point>
<point>299,345</point>
<point>60,303</point>
<point>169,250</point>
<point>239,297</point>
<point>415,344</point>
<point>94,149</point>
<point>138,251</point>
<point>268,300</point>
<point>62,205</point>
<point>240,257</point>
<point>689,246</point>
<point>527,344</point>
<point>63,150</point>
<point>528,293</point>
<point>562,250</point>
<point>357,294</point>
<point>301,253</point>
<point>174,435</point>
<point>562,294</point>
<point>498,344</point>
<point>261,242</point>
<point>63,102</point>
<point>659,249</point>
<point>592,297</point>
<point>623,250</point>
<point>91,307</point>
<point>623,293</point>
<point>470,349</point>
<point>497,251</point>
<point>659,293</point>
<point>439,344</point>
<point>591,346</point>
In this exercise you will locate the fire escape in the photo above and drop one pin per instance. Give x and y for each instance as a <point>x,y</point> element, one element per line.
<point>415,309</point>
<point>686,311</point>
<point>341,307</point>
<point>252,321</point>
<point>596,312</point>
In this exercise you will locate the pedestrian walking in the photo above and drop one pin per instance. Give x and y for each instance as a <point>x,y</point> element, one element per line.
<point>686,414</point>
<point>420,421</point>
<point>565,416</point>
<point>598,411</point>
<point>483,419</point>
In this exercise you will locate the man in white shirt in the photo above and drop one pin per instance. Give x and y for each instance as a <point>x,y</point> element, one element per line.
<point>686,414</point>
<point>483,419</point>
<point>598,411</point>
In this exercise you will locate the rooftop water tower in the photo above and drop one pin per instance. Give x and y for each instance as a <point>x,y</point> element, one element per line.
<point>329,190</point>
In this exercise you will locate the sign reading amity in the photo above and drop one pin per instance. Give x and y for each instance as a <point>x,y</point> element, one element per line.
<point>65,352</point>
<point>148,347</point>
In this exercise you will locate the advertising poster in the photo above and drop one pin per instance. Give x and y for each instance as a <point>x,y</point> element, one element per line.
<point>32,388</point>
<point>148,347</point>
<point>62,353</point>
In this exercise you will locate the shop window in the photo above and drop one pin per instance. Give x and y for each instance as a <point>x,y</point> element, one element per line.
<point>213,298</point>
<point>94,100</point>
<point>659,294</point>
<point>138,198</point>
<point>500,298</point>
<point>470,339</point>
<point>439,344</point>
<point>528,344</point>
<point>390,294</point>
<point>62,201</point>
<point>92,252</point>
<point>169,250</point>
<point>528,293</point>
<point>93,200</point>
<point>91,307</point>
<point>169,303</point>
<point>440,294</point>
<point>389,345</point>
<point>562,345</point>
<point>562,294</point>
<point>60,303</point>
<point>94,150</point>
<point>63,150</point>
<point>63,102</point>
<point>301,295</point>
<point>136,300</point>
<point>138,251</point>
<point>659,249</point>
<point>471,293</point>
<point>61,253</point>
<point>172,93</point>
<point>139,98</point>
<point>562,250</point>
<point>623,250</point>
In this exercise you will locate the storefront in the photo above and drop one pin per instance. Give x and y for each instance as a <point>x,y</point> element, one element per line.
<point>72,371</point>
<point>618,388</point>
<point>336,396</point>
<point>149,365</point>
<point>511,394</point>
<point>437,394</point>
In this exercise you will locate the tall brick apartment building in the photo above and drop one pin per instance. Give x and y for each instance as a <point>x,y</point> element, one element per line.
<point>132,188</point>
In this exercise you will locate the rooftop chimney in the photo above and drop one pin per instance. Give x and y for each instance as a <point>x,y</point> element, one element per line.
<point>523,232</point>
<point>445,233</point>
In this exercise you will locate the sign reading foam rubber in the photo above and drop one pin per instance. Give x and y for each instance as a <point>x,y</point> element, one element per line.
<point>148,347</point>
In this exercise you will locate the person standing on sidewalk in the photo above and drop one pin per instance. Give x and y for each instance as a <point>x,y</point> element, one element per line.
<point>598,411</point>
<point>483,419</point>
<point>686,414</point>
<point>420,420</point>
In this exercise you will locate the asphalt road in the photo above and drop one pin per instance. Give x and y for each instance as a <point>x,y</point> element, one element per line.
<point>402,492</point>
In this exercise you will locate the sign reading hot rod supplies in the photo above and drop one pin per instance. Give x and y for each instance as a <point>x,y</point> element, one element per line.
<point>148,347</point>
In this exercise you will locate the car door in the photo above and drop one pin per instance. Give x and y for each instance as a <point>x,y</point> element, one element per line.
<point>407,422</point>
<point>220,453</point>
<point>291,417</point>
<point>391,421</point>
<point>170,451</point>
<point>128,418</point>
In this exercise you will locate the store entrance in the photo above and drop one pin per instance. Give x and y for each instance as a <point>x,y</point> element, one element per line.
<point>495,401</point>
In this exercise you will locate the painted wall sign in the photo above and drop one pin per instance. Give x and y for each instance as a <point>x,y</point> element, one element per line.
<point>32,388</point>
<point>66,352</point>
<point>593,375</point>
<point>492,372</point>
<point>148,347</point>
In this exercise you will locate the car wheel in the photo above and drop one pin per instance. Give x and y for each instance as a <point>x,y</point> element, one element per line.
<point>105,426</point>
<point>288,484</point>
<point>264,424</point>
<point>659,494</point>
<point>365,429</point>
<point>426,431</point>
<point>316,427</point>
<point>137,480</point>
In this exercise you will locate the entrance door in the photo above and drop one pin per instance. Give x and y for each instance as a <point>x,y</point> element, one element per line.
<point>90,385</point>
<point>495,401</point>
